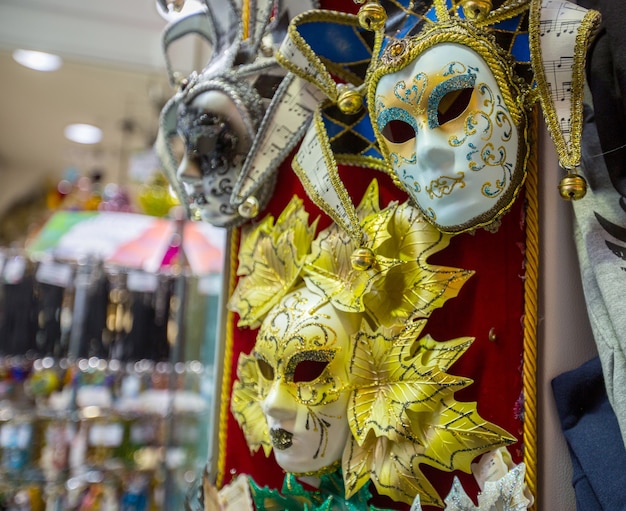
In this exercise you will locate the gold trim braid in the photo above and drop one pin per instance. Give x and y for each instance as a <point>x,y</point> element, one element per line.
<point>228,362</point>
<point>529,374</point>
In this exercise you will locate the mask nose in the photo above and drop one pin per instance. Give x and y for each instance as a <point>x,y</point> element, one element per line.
<point>189,171</point>
<point>279,403</point>
<point>433,149</point>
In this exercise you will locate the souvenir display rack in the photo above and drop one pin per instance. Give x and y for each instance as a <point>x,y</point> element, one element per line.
<point>118,421</point>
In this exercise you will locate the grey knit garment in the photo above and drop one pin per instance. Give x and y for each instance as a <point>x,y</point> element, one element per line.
<point>600,233</point>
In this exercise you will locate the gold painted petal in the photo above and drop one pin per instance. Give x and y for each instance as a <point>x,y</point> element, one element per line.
<point>456,435</point>
<point>271,258</point>
<point>390,466</point>
<point>387,381</point>
<point>422,239</point>
<point>423,287</point>
<point>369,204</point>
<point>441,354</point>
<point>402,411</point>
<point>328,270</point>
<point>245,405</point>
<point>251,234</point>
<point>376,228</point>
<point>357,464</point>
<point>415,288</point>
<point>398,475</point>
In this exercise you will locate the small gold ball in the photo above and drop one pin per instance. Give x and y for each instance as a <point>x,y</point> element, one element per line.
<point>350,101</point>
<point>249,208</point>
<point>573,187</point>
<point>476,10</point>
<point>372,16</point>
<point>362,259</point>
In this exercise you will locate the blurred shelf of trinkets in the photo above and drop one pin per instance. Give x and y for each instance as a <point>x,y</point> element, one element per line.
<point>106,369</point>
<point>103,388</point>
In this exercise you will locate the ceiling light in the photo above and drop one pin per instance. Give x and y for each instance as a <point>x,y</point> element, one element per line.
<point>83,133</point>
<point>38,60</point>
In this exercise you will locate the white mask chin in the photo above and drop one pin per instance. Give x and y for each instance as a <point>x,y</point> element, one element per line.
<point>450,137</point>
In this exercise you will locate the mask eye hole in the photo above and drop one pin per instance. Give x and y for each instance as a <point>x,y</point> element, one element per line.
<point>205,145</point>
<point>398,132</point>
<point>309,370</point>
<point>453,104</point>
<point>266,370</point>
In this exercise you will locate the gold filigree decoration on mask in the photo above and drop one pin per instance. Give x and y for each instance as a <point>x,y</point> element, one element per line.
<point>402,413</point>
<point>444,185</point>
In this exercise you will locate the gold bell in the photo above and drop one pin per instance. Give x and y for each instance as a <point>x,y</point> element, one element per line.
<point>573,187</point>
<point>249,208</point>
<point>372,16</point>
<point>362,259</point>
<point>350,101</point>
<point>476,10</point>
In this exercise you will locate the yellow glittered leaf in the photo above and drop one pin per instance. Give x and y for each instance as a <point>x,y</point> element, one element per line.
<point>387,380</point>
<point>411,236</point>
<point>429,352</point>
<point>270,261</point>
<point>455,435</point>
<point>251,234</point>
<point>358,464</point>
<point>329,271</point>
<point>401,480</point>
<point>245,405</point>
<point>402,412</point>
<point>415,288</point>
<point>369,204</point>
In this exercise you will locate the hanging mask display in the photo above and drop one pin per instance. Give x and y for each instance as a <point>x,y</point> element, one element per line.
<point>440,96</point>
<point>335,378</point>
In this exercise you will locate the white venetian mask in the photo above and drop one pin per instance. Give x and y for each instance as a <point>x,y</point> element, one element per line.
<point>450,137</point>
<point>302,353</point>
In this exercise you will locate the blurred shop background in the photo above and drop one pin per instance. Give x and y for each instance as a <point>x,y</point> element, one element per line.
<point>108,299</point>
